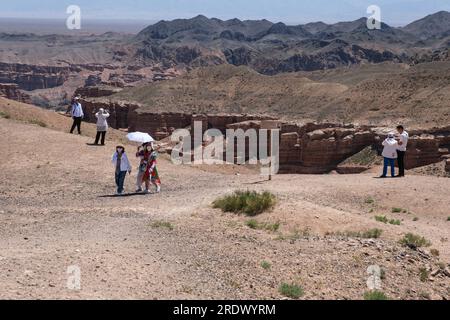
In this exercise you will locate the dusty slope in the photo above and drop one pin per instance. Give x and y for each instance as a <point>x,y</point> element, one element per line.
<point>57,121</point>
<point>56,212</point>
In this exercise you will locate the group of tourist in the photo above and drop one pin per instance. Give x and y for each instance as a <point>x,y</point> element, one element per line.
<point>147,171</point>
<point>394,148</point>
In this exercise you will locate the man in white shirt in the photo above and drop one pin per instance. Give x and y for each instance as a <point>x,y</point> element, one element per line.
<point>403,138</point>
<point>77,115</point>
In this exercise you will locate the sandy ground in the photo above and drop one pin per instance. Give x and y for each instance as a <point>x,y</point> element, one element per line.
<point>57,210</point>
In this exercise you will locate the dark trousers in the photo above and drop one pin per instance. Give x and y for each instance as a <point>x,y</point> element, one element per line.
<point>401,163</point>
<point>120,180</point>
<point>97,137</point>
<point>76,123</point>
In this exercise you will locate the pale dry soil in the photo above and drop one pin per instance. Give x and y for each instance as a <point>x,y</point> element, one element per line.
<point>56,211</point>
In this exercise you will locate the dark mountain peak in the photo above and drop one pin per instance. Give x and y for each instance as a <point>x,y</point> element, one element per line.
<point>233,21</point>
<point>200,17</point>
<point>280,28</point>
<point>315,27</point>
<point>433,25</point>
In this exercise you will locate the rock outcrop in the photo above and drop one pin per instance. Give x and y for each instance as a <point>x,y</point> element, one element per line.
<point>31,77</point>
<point>12,91</point>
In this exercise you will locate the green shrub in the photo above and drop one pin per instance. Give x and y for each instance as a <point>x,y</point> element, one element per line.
<point>383,219</point>
<point>414,241</point>
<point>397,210</point>
<point>424,274</point>
<point>253,224</point>
<point>368,234</point>
<point>4,115</point>
<point>371,234</point>
<point>250,203</point>
<point>370,200</point>
<point>266,265</point>
<point>375,295</point>
<point>162,224</point>
<point>291,290</point>
<point>395,222</point>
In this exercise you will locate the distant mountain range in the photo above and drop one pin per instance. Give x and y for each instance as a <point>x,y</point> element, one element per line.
<point>272,48</point>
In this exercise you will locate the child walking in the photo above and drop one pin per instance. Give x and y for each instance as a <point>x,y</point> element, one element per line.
<point>122,165</point>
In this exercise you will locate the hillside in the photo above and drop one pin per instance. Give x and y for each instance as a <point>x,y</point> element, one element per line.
<point>50,67</point>
<point>176,246</point>
<point>383,94</point>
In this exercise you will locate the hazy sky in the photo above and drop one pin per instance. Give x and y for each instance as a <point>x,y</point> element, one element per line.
<point>394,12</point>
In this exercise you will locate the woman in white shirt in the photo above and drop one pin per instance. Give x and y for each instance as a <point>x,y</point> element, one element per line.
<point>122,166</point>
<point>102,126</point>
<point>390,154</point>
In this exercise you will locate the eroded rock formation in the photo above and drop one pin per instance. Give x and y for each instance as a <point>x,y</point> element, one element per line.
<point>311,148</point>
<point>31,77</point>
<point>12,91</point>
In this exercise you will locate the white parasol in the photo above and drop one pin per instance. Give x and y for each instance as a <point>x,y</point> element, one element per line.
<point>140,137</point>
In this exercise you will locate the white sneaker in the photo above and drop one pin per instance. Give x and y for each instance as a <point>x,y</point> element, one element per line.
<point>138,190</point>
<point>158,189</point>
<point>146,191</point>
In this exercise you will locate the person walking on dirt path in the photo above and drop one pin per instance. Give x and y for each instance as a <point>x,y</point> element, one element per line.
<point>77,115</point>
<point>403,138</point>
<point>151,173</point>
<point>102,125</point>
<point>389,154</point>
<point>122,165</point>
<point>143,153</point>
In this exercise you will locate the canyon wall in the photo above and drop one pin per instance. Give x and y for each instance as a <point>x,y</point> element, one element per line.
<point>311,148</point>
<point>12,91</point>
<point>31,77</point>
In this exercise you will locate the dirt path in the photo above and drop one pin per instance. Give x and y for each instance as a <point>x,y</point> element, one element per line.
<point>57,211</point>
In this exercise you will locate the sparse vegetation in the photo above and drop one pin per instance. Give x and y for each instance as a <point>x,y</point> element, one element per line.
<point>368,234</point>
<point>4,115</point>
<point>297,234</point>
<point>448,218</point>
<point>414,241</point>
<point>250,203</point>
<point>254,224</point>
<point>385,219</point>
<point>435,252</point>
<point>365,157</point>
<point>424,274</point>
<point>38,122</point>
<point>291,290</point>
<point>395,222</point>
<point>415,219</point>
<point>383,274</point>
<point>398,210</point>
<point>370,200</point>
<point>265,265</point>
<point>162,224</point>
<point>375,295</point>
